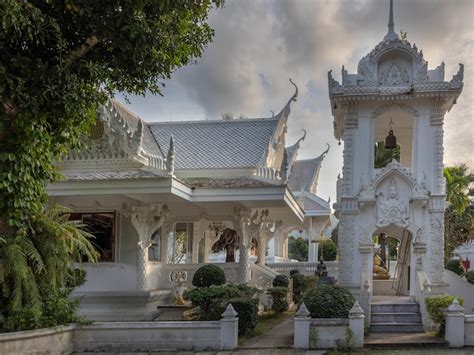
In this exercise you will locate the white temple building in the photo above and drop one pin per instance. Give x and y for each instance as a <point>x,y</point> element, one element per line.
<point>393,89</point>
<point>158,195</point>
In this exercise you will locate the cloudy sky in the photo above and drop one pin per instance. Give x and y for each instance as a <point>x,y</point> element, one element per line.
<point>259,44</point>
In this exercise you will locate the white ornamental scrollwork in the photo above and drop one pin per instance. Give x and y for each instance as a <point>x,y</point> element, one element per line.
<point>391,210</point>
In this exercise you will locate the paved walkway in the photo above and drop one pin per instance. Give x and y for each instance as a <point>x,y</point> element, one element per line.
<point>401,340</point>
<point>280,336</point>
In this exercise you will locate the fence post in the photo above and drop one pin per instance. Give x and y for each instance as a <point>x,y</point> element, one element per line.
<point>229,328</point>
<point>302,325</point>
<point>356,323</point>
<point>455,325</point>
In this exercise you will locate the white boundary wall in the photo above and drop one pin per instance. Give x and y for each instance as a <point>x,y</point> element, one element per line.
<point>126,337</point>
<point>459,327</point>
<point>329,333</point>
<point>460,287</point>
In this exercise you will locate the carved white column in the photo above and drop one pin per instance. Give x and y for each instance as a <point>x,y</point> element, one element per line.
<point>146,218</point>
<point>242,216</point>
<point>436,120</point>
<point>351,123</point>
<point>262,248</point>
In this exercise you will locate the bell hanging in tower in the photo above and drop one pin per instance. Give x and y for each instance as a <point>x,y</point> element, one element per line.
<point>391,140</point>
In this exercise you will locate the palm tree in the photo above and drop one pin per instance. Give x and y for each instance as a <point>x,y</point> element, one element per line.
<point>41,258</point>
<point>458,179</point>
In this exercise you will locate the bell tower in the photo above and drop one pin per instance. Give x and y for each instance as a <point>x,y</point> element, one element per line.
<point>390,117</point>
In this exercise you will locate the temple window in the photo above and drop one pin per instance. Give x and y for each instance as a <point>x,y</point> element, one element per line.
<point>102,226</point>
<point>154,252</point>
<point>181,243</point>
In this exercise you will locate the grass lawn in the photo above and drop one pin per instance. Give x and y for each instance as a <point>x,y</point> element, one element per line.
<point>265,322</point>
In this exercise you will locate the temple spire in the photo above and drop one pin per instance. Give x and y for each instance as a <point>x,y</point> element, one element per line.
<point>391,25</point>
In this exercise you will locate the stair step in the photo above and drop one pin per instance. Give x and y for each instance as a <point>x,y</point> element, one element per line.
<point>396,328</point>
<point>395,308</point>
<point>401,317</point>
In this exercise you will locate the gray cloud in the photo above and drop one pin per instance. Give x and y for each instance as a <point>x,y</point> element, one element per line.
<point>259,44</point>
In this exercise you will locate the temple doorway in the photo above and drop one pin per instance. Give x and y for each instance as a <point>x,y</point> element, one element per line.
<point>391,261</point>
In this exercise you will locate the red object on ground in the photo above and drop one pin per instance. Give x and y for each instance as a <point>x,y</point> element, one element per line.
<point>467,264</point>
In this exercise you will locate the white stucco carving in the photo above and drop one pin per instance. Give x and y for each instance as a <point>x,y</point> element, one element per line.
<point>390,210</point>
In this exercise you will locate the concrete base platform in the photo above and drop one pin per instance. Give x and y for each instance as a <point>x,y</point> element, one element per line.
<point>122,305</point>
<point>404,340</point>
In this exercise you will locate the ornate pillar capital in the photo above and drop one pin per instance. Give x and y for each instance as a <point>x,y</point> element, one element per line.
<point>146,218</point>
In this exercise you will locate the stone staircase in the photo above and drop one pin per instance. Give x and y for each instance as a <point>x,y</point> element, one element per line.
<point>395,317</point>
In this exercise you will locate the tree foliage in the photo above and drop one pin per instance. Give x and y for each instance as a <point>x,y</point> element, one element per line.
<point>229,242</point>
<point>59,60</point>
<point>384,156</point>
<point>37,264</point>
<point>298,248</point>
<point>459,216</point>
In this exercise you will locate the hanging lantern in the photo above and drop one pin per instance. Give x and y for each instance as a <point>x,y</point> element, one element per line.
<point>391,140</point>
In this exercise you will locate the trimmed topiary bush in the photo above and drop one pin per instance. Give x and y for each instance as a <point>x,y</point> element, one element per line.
<point>329,301</point>
<point>436,306</point>
<point>247,310</point>
<point>279,302</point>
<point>294,271</point>
<point>281,281</point>
<point>212,300</point>
<point>469,276</point>
<point>298,287</point>
<point>455,266</point>
<point>209,275</point>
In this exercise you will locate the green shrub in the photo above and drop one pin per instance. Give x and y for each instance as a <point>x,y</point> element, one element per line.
<point>212,300</point>
<point>436,306</point>
<point>469,276</point>
<point>281,281</point>
<point>247,310</point>
<point>279,302</point>
<point>25,318</point>
<point>310,281</point>
<point>298,287</point>
<point>209,275</point>
<point>327,250</point>
<point>329,301</point>
<point>294,271</point>
<point>455,266</point>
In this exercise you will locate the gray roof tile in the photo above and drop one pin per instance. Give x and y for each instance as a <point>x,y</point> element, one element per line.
<point>216,144</point>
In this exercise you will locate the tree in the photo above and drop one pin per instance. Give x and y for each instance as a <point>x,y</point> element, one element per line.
<point>327,250</point>
<point>229,242</point>
<point>459,216</point>
<point>298,248</point>
<point>38,266</point>
<point>60,59</point>
<point>383,156</point>
<point>458,179</point>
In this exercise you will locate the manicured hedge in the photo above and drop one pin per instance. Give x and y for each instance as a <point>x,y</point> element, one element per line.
<point>298,287</point>
<point>247,310</point>
<point>209,275</point>
<point>281,281</point>
<point>455,266</point>
<point>469,276</point>
<point>279,302</point>
<point>329,301</point>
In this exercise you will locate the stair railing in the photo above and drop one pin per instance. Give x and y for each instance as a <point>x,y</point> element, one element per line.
<point>403,255</point>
